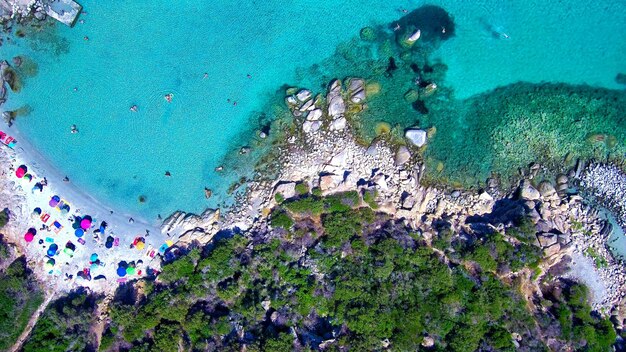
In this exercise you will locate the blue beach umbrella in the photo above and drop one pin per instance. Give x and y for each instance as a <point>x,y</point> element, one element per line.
<point>52,250</point>
<point>79,232</point>
<point>121,272</point>
<point>93,257</point>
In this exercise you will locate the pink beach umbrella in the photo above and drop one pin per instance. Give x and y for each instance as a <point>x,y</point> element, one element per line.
<point>21,171</point>
<point>85,223</point>
<point>30,235</point>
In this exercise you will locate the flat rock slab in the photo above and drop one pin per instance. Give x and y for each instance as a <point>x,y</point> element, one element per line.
<point>64,11</point>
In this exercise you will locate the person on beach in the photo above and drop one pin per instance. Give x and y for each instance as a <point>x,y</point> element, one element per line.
<point>66,179</point>
<point>131,220</point>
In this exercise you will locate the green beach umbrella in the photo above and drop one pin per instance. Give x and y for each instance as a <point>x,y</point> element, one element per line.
<point>130,270</point>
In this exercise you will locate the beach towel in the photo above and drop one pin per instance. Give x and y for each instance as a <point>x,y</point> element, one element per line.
<point>45,218</point>
<point>57,226</point>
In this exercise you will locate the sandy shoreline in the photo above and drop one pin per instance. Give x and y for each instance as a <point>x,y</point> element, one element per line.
<point>21,200</point>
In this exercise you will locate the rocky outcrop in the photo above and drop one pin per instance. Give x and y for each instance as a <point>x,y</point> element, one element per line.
<point>187,227</point>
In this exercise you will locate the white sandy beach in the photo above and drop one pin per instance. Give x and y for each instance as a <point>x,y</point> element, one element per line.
<point>21,200</point>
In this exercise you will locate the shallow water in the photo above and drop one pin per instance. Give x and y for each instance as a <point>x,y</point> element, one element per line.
<point>141,51</point>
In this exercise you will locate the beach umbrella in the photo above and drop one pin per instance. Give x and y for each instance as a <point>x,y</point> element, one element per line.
<point>65,209</point>
<point>28,237</point>
<point>85,223</point>
<point>28,177</point>
<point>52,250</point>
<point>121,272</point>
<point>93,257</point>
<point>49,265</point>
<point>36,213</point>
<point>140,245</point>
<point>54,200</point>
<point>130,270</point>
<point>21,171</point>
<point>79,232</point>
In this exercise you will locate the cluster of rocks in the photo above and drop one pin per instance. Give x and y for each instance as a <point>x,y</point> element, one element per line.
<point>64,11</point>
<point>187,227</point>
<point>315,112</point>
<point>11,10</point>
<point>608,183</point>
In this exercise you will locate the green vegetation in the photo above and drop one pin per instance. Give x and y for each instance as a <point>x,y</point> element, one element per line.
<point>64,326</point>
<point>578,324</point>
<point>371,280</point>
<point>20,296</point>
<point>281,219</point>
<point>369,197</point>
<point>4,218</point>
<point>302,188</point>
<point>599,260</point>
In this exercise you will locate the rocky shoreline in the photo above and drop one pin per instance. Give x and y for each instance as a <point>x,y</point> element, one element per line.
<point>323,154</point>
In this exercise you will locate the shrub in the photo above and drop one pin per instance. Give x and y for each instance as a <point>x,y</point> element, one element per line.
<point>281,219</point>
<point>302,188</point>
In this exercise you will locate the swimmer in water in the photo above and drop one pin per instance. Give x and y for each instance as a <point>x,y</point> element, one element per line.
<point>169,97</point>
<point>397,27</point>
<point>206,75</point>
<point>86,37</point>
<point>74,129</point>
<point>134,108</point>
<point>249,76</point>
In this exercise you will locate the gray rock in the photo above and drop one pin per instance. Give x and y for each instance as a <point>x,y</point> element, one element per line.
<point>306,106</point>
<point>314,115</point>
<point>358,97</point>
<point>304,95</point>
<point>547,239</point>
<point>528,192</point>
<point>336,106</point>
<point>402,156</point>
<point>311,126</point>
<point>552,250</point>
<point>546,189</point>
<point>286,189</point>
<point>416,136</point>
<point>339,124</point>
<point>408,202</point>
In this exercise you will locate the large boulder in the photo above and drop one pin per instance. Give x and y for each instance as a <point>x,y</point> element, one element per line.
<point>311,126</point>
<point>287,189</point>
<point>402,156</point>
<point>546,189</point>
<point>336,106</point>
<point>339,124</point>
<point>528,192</point>
<point>416,136</point>
<point>314,115</point>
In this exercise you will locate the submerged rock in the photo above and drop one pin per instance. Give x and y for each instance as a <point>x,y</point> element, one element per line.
<point>368,34</point>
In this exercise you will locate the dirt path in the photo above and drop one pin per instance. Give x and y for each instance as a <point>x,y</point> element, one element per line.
<point>31,324</point>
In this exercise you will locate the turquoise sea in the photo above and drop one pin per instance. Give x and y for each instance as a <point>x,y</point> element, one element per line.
<point>209,55</point>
